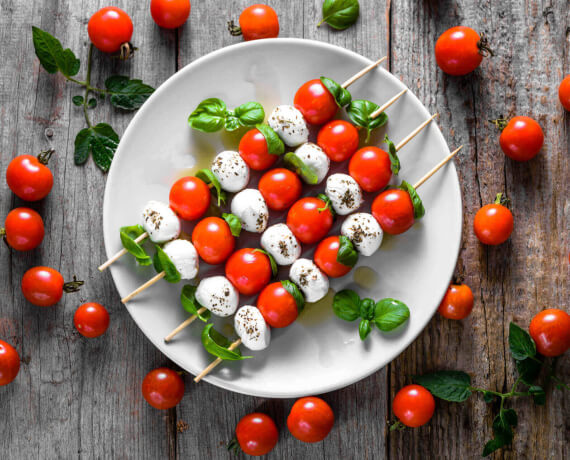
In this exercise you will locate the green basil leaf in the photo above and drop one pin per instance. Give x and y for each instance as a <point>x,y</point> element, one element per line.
<point>419,210</point>
<point>209,116</point>
<point>127,94</point>
<point>307,173</point>
<point>328,203</point>
<point>275,145</point>
<point>210,178</point>
<point>250,114</point>
<point>190,304</point>
<point>274,268</point>
<point>390,313</point>
<point>538,395</point>
<point>77,100</point>
<point>217,345</point>
<point>367,308</point>
<point>101,141</point>
<point>92,103</point>
<point>340,94</point>
<point>51,54</point>
<point>232,123</point>
<point>520,343</point>
<point>364,328</point>
<point>346,254</point>
<point>340,14</point>
<point>454,386</point>
<point>234,223</point>
<point>360,112</point>
<point>162,263</point>
<point>393,154</point>
<point>529,369</point>
<point>128,235</point>
<point>296,293</point>
<point>491,446</point>
<point>346,305</point>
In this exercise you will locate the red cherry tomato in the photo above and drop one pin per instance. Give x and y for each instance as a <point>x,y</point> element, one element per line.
<point>339,140</point>
<point>280,188</point>
<point>109,28</point>
<point>457,302</point>
<point>550,329</point>
<point>564,92</point>
<point>163,388</point>
<point>257,434</point>
<point>394,211</point>
<point>190,198</point>
<point>258,21</point>
<point>42,286</point>
<point>521,139</point>
<point>29,177</point>
<point>413,405</point>
<point>249,270</point>
<point>310,420</point>
<point>493,224</point>
<point>309,219</point>
<point>91,319</point>
<point>315,102</point>
<point>170,14</point>
<point>213,240</point>
<point>459,50</point>
<point>371,168</point>
<point>325,258</point>
<point>277,306</point>
<point>24,229</point>
<point>253,150</point>
<point>9,363</point>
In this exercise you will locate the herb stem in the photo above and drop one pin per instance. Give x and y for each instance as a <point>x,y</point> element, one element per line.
<point>481,390</point>
<point>88,85</point>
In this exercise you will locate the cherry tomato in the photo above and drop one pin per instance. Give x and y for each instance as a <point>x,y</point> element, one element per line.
<point>277,306</point>
<point>550,329</point>
<point>394,211</point>
<point>459,50</point>
<point>42,286</point>
<point>24,229</point>
<point>29,177</point>
<point>280,188</point>
<point>310,420</point>
<point>521,139</point>
<point>109,28</point>
<point>564,92</point>
<point>339,140</point>
<point>163,388</point>
<point>457,302</point>
<point>170,14</point>
<point>253,150</point>
<point>371,168</point>
<point>257,21</point>
<point>249,270</point>
<point>315,102</point>
<point>190,198</point>
<point>257,434</point>
<point>493,224</point>
<point>309,219</point>
<point>213,240</point>
<point>91,319</point>
<point>413,405</point>
<point>9,363</point>
<point>325,258</point>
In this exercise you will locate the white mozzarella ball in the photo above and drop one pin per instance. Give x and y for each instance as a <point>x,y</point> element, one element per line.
<point>184,257</point>
<point>160,222</point>
<point>251,208</point>
<point>313,283</point>
<point>364,231</point>
<point>218,295</point>
<point>289,124</point>
<point>231,171</point>
<point>344,192</point>
<point>279,241</point>
<point>315,158</point>
<point>250,326</point>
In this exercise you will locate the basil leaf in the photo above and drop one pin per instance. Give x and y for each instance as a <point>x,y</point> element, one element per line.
<point>209,116</point>
<point>346,305</point>
<point>367,307</point>
<point>454,386</point>
<point>390,313</point>
<point>307,173</point>
<point>340,14</point>
<point>190,304</point>
<point>128,236</point>
<point>393,154</point>
<point>274,268</point>
<point>234,223</point>
<point>210,178</point>
<point>250,114</point>
<point>127,94</point>
<point>296,293</point>
<point>275,145</point>
<point>232,123</point>
<point>520,343</point>
<point>51,54</point>
<point>77,100</point>
<point>502,430</point>
<point>538,395</point>
<point>528,369</point>
<point>346,254</point>
<point>360,112</point>
<point>162,263</point>
<point>340,94</point>
<point>328,203</point>
<point>101,141</point>
<point>217,345</point>
<point>364,329</point>
<point>419,210</point>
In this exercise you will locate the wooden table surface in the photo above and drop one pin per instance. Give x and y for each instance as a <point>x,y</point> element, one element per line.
<point>81,398</point>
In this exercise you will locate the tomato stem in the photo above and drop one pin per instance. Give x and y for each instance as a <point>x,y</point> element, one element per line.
<point>397,425</point>
<point>233,29</point>
<point>502,200</point>
<point>500,123</point>
<point>45,155</point>
<point>127,51</point>
<point>483,45</point>
<point>233,446</point>
<point>73,286</point>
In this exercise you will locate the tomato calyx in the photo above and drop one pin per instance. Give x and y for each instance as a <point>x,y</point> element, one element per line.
<point>73,286</point>
<point>233,445</point>
<point>393,154</point>
<point>126,51</point>
<point>483,45</point>
<point>397,426</point>
<point>44,156</point>
<point>328,204</point>
<point>501,123</point>
<point>502,200</point>
<point>235,31</point>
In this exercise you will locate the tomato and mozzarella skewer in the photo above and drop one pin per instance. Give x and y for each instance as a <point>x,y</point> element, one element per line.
<point>344,193</point>
<point>250,207</point>
<point>315,158</point>
<point>289,124</point>
<point>312,282</point>
<point>279,241</point>
<point>364,231</point>
<point>230,170</point>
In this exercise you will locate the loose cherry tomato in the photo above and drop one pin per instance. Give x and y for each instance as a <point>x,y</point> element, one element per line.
<point>310,420</point>
<point>564,92</point>
<point>249,270</point>
<point>280,188</point>
<point>9,363</point>
<point>213,240</point>
<point>24,229</point>
<point>310,219</point>
<point>42,286</point>
<point>325,258</point>
<point>521,138</point>
<point>493,223</point>
<point>255,22</point>
<point>170,14</point>
<point>109,29</point>
<point>277,306</point>
<point>91,319</point>
<point>413,405</point>
<point>394,211</point>
<point>253,150</point>
<point>371,168</point>
<point>163,388</point>
<point>257,434</point>
<point>457,302</point>
<point>29,177</point>
<point>339,140</point>
<point>190,198</point>
<point>315,102</point>
<point>460,50</point>
<point>550,329</point>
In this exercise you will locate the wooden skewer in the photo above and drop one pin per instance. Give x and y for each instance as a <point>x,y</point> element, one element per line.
<point>363,72</point>
<point>388,104</point>
<point>185,324</point>
<point>415,132</point>
<point>213,364</point>
<point>121,253</point>
<point>148,284</point>
<point>437,167</point>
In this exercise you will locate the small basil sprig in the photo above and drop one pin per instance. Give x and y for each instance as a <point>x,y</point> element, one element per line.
<point>217,345</point>
<point>328,203</point>
<point>293,162</point>
<point>393,154</point>
<point>212,114</point>
<point>292,289</point>
<point>191,305</point>
<point>360,112</point>
<point>274,268</point>
<point>346,254</point>
<point>340,94</point>
<point>275,145</point>
<point>234,223</point>
<point>162,263</point>
<point>210,178</point>
<point>128,235</point>
<point>419,210</point>
<point>340,14</point>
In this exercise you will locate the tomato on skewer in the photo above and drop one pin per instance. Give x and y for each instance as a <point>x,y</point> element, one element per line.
<point>315,102</point>
<point>326,258</point>
<point>338,139</point>
<point>213,240</point>
<point>189,198</point>
<point>277,305</point>
<point>371,167</point>
<point>280,188</point>
<point>254,150</point>
<point>394,211</point>
<point>249,270</point>
<point>310,219</point>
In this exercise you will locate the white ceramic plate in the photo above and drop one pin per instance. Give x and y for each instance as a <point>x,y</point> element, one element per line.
<point>319,352</point>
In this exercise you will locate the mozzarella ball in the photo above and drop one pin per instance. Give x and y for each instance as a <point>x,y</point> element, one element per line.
<point>289,125</point>
<point>315,158</point>
<point>250,326</point>
<point>313,283</point>
<point>364,231</point>
<point>279,241</point>
<point>344,192</point>
<point>218,295</point>
<point>231,171</point>
<point>184,257</point>
<point>251,208</point>
<point>160,222</point>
